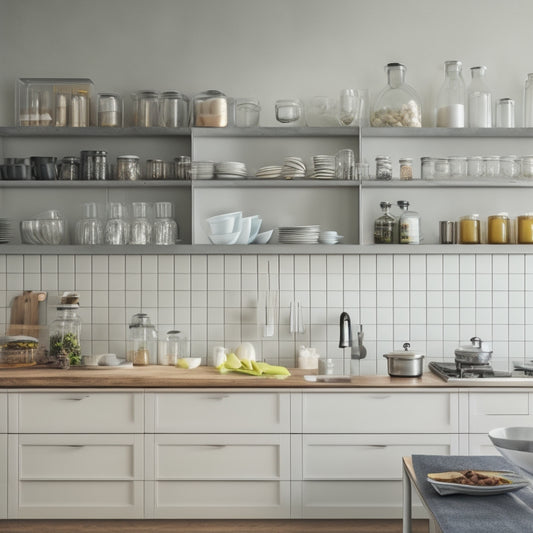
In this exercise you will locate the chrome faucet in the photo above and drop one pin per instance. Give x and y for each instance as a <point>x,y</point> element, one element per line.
<point>345,339</point>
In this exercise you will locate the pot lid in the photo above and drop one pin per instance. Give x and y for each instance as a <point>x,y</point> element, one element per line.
<point>405,353</point>
<point>477,346</point>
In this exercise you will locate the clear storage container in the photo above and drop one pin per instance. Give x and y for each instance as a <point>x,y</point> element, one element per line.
<point>166,230</point>
<point>142,341</point>
<point>385,226</point>
<point>409,224</point>
<point>479,100</point>
<point>173,110</point>
<point>470,229</point>
<point>145,109</point>
<point>451,99</point>
<point>65,336</point>
<point>109,110</point>
<point>210,109</point>
<point>499,229</point>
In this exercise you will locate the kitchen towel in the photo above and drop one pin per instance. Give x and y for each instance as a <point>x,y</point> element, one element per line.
<point>503,513</point>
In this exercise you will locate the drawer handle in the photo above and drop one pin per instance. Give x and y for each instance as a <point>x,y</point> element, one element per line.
<point>78,398</point>
<point>377,445</point>
<point>383,397</point>
<point>75,445</point>
<point>217,446</point>
<point>218,397</point>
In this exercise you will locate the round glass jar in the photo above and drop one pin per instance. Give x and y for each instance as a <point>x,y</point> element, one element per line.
<point>427,170</point>
<point>470,229</point>
<point>247,111</point>
<point>492,166</point>
<point>288,111</point>
<point>173,110</point>
<point>499,229</point>
<point>142,341</point>
<point>525,228</point>
<point>442,169</point>
<point>65,335</point>
<point>406,168</point>
<point>509,166</point>
<point>210,109</point>
<point>458,166</point>
<point>474,166</point>
<point>526,166</point>
<point>146,109</point>
<point>383,167</point>
<point>128,168</point>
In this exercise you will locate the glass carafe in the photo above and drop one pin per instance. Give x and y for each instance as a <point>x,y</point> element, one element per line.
<point>165,228</point>
<point>89,229</point>
<point>409,224</point>
<point>141,228</point>
<point>65,335</point>
<point>386,226</point>
<point>142,341</point>
<point>117,229</point>
<point>397,104</point>
<point>451,99</point>
<point>479,100</point>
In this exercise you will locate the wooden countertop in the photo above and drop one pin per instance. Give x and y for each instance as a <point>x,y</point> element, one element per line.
<point>202,377</point>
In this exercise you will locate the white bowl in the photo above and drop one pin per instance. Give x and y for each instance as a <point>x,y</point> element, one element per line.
<point>515,444</point>
<point>264,237</point>
<point>246,228</point>
<point>190,362</point>
<point>254,230</point>
<point>225,223</point>
<point>226,238</point>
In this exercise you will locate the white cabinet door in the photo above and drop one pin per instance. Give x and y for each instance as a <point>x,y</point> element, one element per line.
<point>380,412</point>
<point>77,411</point>
<point>3,475</point>
<point>218,412</point>
<point>481,445</point>
<point>75,476</point>
<point>490,410</point>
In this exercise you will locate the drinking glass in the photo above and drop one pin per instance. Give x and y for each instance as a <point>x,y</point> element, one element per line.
<point>89,229</point>
<point>117,230</point>
<point>348,106</point>
<point>345,164</point>
<point>141,229</point>
<point>165,228</point>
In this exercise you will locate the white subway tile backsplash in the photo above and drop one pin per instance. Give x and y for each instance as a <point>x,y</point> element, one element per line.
<point>301,264</point>
<point>149,264</point>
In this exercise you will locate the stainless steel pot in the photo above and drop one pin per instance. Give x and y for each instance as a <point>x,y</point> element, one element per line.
<point>405,363</point>
<point>474,354</point>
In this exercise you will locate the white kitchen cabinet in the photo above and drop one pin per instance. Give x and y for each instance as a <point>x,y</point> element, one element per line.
<point>3,475</point>
<point>76,411</point>
<point>218,476</point>
<point>75,476</point>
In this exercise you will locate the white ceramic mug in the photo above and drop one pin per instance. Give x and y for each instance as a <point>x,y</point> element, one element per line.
<point>219,355</point>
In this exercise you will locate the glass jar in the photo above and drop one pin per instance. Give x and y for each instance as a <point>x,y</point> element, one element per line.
<point>173,110</point>
<point>509,166</point>
<point>386,226</point>
<point>183,167</point>
<point>79,109</point>
<point>166,230</point>
<point>117,229</point>
<point>479,100</point>
<point>93,165</point>
<point>505,113</point>
<point>65,335</point>
<point>146,109</point>
<point>525,229</point>
<point>526,165</point>
<point>173,348</point>
<point>141,229</point>
<point>142,341</point>
<point>427,170</point>
<point>288,111</point>
<point>406,168</point>
<point>210,109</point>
<point>409,224</point>
<point>90,228</point>
<point>474,166</point>
<point>458,166</point>
<point>451,99</point>
<point>442,169</point>
<point>247,111</point>
<point>128,168</point>
<point>69,168</point>
<point>499,229</point>
<point>397,104</point>
<point>491,166</point>
<point>383,167</point>
<point>528,102</point>
<point>109,110</point>
<point>470,229</point>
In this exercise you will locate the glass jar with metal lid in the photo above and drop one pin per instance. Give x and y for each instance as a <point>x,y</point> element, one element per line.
<point>406,168</point>
<point>146,109</point>
<point>386,226</point>
<point>173,348</point>
<point>173,110</point>
<point>427,169</point>
<point>491,165</point>
<point>128,167</point>
<point>470,229</point>
<point>409,224</point>
<point>65,335</point>
<point>93,165</point>
<point>142,341</point>
<point>383,167</point>
<point>525,228</point>
<point>499,229</point>
<point>210,109</point>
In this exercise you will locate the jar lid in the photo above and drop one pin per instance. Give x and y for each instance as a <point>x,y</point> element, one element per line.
<point>506,100</point>
<point>491,157</point>
<point>71,159</point>
<point>127,157</point>
<point>174,94</point>
<point>67,306</point>
<point>501,215</point>
<point>453,63</point>
<point>406,160</point>
<point>528,214</point>
<point>380,157</point>
<point>173,332</point>
<point>457,157</point>
<point>473,216</point>
<point>474,158</point>
<point>146,93</point>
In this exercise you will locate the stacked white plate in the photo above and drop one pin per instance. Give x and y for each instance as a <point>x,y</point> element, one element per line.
<point>231,170</point>
<point>202,170</point>
<point>269,172</point>
<point>6,231</point>
<point>329,237</point>
<point>293,168</point>
<point>323,167</point>
<point>299,234</point>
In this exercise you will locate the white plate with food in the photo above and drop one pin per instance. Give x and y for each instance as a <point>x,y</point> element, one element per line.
<point>476,482</point>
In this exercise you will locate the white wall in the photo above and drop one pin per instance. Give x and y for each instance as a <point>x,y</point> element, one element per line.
<point>267,48</point>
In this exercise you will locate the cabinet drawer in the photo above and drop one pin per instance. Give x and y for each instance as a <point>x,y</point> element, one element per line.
<point>76,412</point>
<point>345,457</point>
<point>380,412</point>
<point>219,457</point>
<point>481,445</point>
<point>79,457</point>
<point>218,499</point>
<point>219,412</point>
<point>3,412</point>
<point>489,410</point>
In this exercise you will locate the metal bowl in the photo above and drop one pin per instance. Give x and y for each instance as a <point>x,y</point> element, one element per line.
<point>515,444</point>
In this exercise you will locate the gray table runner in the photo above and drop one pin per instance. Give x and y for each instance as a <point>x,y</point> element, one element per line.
<point>503,513</point>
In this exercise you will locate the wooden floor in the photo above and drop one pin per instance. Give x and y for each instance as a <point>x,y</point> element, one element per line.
<point>209,526</point>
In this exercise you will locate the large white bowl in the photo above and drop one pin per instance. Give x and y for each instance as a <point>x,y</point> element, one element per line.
<point>227,238</point>
<point>225,223</point>
<point>246,228</point>
<point>254,230</point>
<point>515,444</point>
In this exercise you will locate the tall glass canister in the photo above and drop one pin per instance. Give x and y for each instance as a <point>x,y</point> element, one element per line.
<point>65,334</point>
<point>451,100</point>
<point>479,100</point>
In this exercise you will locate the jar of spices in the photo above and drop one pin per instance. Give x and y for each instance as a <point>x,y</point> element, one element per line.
<point>499,229</point>
<point>383,167</point>
<point>525,228</point>
<point>128,167</point>
<point>93,165</point>
<point>427,170</point>
<point>69,168</point>
<point>406,168</point>
<point>470,229</point>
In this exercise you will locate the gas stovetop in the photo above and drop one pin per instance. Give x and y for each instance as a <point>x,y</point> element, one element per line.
<point>523,372</point>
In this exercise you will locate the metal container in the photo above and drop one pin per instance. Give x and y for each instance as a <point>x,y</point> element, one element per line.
<point>405,363</point>
<point>473,354</point>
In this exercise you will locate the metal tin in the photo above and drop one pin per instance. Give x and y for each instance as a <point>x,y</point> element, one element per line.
<point>447,231</point>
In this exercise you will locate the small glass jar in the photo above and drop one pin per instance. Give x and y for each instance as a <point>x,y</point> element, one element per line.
<point>474,166</point>
<point>142,341</point>
<point>505,113</point>
<point>69,168</point>
<point>183,167</point>
<point>128,168</point>
<point>470,229</point>
<point>109,110</point>
<point>146,109</point>
<point>210,109</point>
<point>93,165</point>
<point>427,170</point>
<point>383,167</point>
<point>406,168</point>
<point>499,229</point>
<point>173,110</point>
<point>510,166</point>
<point>492,166</point>
<point>117,229</point>
<point>525,228</point>
<point>362,171</point>
<point>174,347</point>
<point>65,335</point>
<point>442,169</point>
<point>288,111</point>
<point>247,111</point>
<point>385,226</point>
<point>458,166</point>
<point>526,165</point>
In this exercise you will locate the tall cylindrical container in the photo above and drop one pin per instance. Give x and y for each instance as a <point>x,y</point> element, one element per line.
<point>479,100</point>
<point>451,100</point>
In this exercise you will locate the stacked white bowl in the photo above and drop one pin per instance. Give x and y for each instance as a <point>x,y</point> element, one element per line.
<point>233,228</point>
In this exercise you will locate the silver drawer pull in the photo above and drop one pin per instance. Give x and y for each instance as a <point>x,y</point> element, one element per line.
<point>75,445</point>
<point>217,446</point>
<point>377,445</point>
<point>383,397</point>
<point>78,398</point>
<point>218,397</point>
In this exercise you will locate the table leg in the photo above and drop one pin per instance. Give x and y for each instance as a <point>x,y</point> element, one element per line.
<point>406,506</point>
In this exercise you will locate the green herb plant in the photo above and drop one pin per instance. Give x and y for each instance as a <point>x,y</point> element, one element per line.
<point>68,343</point>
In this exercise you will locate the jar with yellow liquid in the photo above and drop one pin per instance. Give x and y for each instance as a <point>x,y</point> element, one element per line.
<point>499,229</point>
<point>470,229</point>
<point>525,228</point>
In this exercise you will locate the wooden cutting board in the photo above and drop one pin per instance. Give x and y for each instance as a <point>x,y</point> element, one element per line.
<point>24,318</point>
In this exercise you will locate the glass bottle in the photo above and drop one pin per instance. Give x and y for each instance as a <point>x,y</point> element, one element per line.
<point>409,224</point>
<point>479,100</point>
<point>142,341</point>
<point>528,102</point>
<point>65,335</point>
<point>397,104</point>
<point>385,226</point>
<point>165,228</point>
<point>451,99</point>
